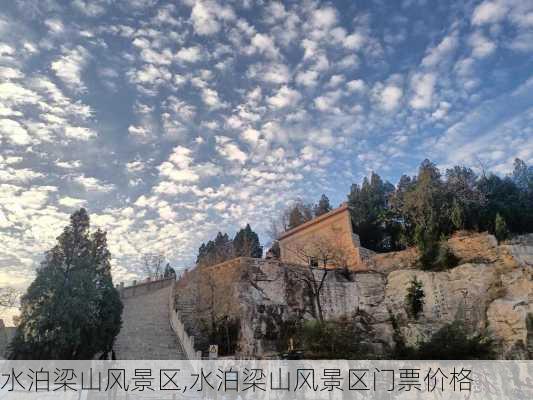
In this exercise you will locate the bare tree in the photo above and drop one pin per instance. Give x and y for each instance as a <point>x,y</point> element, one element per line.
<point>319,257</point>
<point>152,264</point>
<point>9,297</point>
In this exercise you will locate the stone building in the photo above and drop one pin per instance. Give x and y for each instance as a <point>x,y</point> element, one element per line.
<point>325,240</point>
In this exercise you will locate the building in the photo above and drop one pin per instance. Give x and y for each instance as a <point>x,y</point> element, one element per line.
<point>327,240</point>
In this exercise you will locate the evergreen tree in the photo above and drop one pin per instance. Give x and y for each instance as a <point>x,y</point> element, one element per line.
<point>246,243</point>
<point>71,310</point>
<point>296,218</point>
<point>169,271</point>
<point>215,251</point>
<point>322,207</point>
<point>457,215</point>
<point>500,228</point>
<point>368,205</point>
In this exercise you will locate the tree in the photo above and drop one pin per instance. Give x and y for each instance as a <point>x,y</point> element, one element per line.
<point>322,207</point>
<point>8,297</point>
<point>246,243</point>
<point>319,256</point>
<point>500,228</point>
<point>368,205</point>
<point>215,251</point>
<point>457,215</point>
<point>72,309</point>
<point>152,264</point>
<point>427,208</point>
<point>169,271</point>
<point>461,186</point>
<point>414,299</point>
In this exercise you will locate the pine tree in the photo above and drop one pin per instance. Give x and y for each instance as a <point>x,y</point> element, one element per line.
<point>457,215</point>
<point>169,271</point>
<point>246,243</point>
<point>71,310</point>
<point>500,228</point>
<point>322,207</point>
<point>296,218</point>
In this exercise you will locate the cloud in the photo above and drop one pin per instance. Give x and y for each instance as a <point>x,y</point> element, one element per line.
<point>14,132</point>
<point>481,46</point>
<point>72,202</point>
<point>324,17</point>
<point>79,133</point>
<point>284,97</point>
<point>356,85</point>
<point>390,97</point>
<point>265,45</point>
<point>354,41</point>
<point>211,98</point>
<point>7,73</point>
<point>437,54</point>
<point>206,16</point>
<point>69,67</point>
<point>92,184</point>
<point>272,73</point>
<point>423,87</point>
<point>230,150</point>
<point>489,12</point>
<point>91,8</point>
<point>307,78</point>
<point>189,54</point>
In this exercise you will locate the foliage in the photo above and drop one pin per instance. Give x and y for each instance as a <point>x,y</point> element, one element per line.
<point>422,209</point>
<point>72,309</point>
<point>414,299</point>
<point>225,334</point>
<point>368,204</point>
<point>446,259</point>
<point>451,342</point>
<point>246,243</point>
<point>500,228</point>
<point>322,207</point>
<point>339,339</point>
<point>275,249</point>
<point>169,271</point>
<point>299,214</point>
<point>215,251</point>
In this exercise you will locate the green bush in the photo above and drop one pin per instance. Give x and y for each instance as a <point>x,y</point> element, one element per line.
<point>340,339</point>
<point>451,342</point>
<point>500,228</point>
<point>414,300</point>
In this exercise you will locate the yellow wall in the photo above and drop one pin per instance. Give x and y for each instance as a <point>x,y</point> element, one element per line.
<point>330,234</point>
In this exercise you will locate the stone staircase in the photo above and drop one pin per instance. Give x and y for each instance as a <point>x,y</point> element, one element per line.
<point>146,333</point>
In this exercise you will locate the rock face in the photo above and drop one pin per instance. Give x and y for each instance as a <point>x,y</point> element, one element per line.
<point>490,291</point>
<point>146,333</point>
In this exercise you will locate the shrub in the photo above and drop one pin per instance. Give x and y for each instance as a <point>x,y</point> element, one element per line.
<point>451,342</point>
<point>500,228</point>
<point>414,300</point>
<point>340,339</point>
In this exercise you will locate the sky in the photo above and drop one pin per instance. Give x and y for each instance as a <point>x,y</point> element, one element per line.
<point>172,120</point>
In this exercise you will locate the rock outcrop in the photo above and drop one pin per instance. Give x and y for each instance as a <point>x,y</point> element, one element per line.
<point>490,291</point>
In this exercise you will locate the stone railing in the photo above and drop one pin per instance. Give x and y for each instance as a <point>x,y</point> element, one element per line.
<point>187,342</point>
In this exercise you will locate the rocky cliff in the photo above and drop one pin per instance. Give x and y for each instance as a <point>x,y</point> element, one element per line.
<point>491,290</point>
